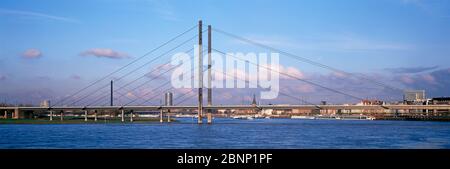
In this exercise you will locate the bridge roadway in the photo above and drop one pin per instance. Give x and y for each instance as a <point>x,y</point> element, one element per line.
<point>303,107</point>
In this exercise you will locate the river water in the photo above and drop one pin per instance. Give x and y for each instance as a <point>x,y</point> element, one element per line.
<point>232,133</point>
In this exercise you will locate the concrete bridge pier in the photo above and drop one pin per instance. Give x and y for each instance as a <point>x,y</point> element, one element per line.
<point>161,115</point>
<point>123,115</point>
<point>6,114</point>
<point>62,115</point>
<point>168,117</point>
<point>95,115</point>
<point>51,115</point>
<point>16,113</point>
<point>85,115</point>
<point>209,116</point>
<point>131,118</point>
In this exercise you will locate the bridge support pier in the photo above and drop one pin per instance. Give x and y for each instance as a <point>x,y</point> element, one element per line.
<point>16,113</point>
<point>161,115</point>
<point>95,115</point>
<point>62,116</point>
<point>51,115</point>
<point>131,118</point>
<point>168,117</point>
<point>209,118</point>
<point>85,115</point>
<point>123,115</point>
<point>6,114</point>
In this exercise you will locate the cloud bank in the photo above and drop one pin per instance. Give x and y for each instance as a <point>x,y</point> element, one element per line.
<point>410,69</point>
<point>105,53</point>
<point>32,54</point>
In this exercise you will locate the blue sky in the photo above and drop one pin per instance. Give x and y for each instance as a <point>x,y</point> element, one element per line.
<point>47,47</point>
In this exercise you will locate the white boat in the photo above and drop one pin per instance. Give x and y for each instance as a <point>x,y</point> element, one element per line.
<point>257,116</point>
<point>243,117</point>
<point>303,117</point>
<point>238,117</point>
<point>185,115</point>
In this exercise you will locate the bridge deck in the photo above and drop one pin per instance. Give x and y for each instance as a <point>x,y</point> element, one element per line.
<point>305,107</point>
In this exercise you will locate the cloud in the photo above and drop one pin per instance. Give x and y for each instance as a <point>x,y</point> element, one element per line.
<point>155,72</point>
<point>434,83</point>
<point>340,82</point>
<point>292,71</point>
<point>37,15</point>
<point>410,69</point>
<point>32,54</point>
<point>130,95</point>
<point>75,77</point>
<point>305,88</point>
<point>2,77</point>
<point>429,78</point>
<point>407,79</point>
<point>104,52</point>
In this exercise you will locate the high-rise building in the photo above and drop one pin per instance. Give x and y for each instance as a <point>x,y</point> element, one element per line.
<point>45,103</point>
<point>414,96</point>
<point>168,98</point>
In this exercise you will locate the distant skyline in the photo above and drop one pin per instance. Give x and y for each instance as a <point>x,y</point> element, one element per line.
<point>50,49</point>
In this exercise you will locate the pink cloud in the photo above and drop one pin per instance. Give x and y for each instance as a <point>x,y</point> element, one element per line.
<point>407,79</point>
<point>339,74</point>
<point>130,95</point>
<point>32,54</point>
<point>104,52</point>
<point>292,71</point>
<point>429,78</point>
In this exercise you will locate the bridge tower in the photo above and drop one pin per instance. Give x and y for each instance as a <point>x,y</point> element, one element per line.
<point>209,76</point>
<point>200,74</point>
<point>112,94</point>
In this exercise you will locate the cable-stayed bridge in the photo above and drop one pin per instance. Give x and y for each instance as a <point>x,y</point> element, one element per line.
<point>100,96</point>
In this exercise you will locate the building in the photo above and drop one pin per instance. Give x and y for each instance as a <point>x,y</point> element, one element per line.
<point>366,102</point>
<point>168,99</point>
<point>440,101</point>
<point>45,103</point>
<point>414,96</point>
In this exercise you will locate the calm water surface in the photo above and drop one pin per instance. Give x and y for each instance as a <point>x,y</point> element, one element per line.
<point>231,133</point>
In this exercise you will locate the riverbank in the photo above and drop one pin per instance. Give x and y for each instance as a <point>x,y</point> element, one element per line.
<point>77,120</point>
